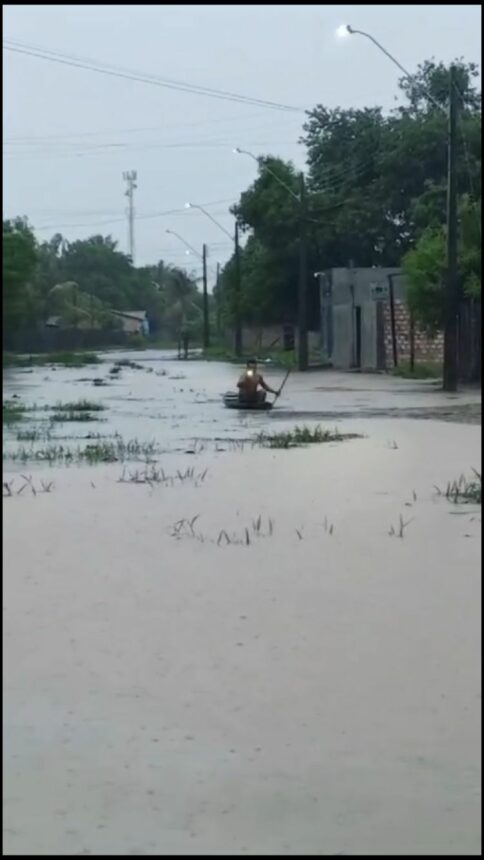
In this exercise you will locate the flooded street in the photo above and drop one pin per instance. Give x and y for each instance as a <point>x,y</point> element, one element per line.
<point>173,403</point>
<point>266,651</point>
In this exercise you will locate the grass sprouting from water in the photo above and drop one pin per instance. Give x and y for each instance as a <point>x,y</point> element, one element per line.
<point>464,490</point>
<point>35,434</point>
<point>61,417</point>
<point>420,371</point>
<point>80,406</point>
<point>13,411</point>
<point>67,359</point>
<point>99,451</point>
<point>126,362</point>
<point>302,436</point>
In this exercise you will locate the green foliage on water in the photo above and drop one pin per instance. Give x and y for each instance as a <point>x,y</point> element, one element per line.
<point>99,451</point>
<point>80,406</point>
<point>61,417</point>
<point>420,370</point>
<point>301,436</point>
<point>464,490</point>
<point>13,411</point>
<point>65,359</point>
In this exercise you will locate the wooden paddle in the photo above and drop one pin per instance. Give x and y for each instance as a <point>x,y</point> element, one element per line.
<point>282,386</point>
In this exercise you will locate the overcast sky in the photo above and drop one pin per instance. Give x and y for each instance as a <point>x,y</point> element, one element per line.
<point>70,133</point>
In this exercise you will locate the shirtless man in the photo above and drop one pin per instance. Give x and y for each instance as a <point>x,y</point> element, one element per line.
<point>252,386</point>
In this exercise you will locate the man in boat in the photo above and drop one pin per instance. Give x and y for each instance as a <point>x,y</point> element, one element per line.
<point>252,386</point>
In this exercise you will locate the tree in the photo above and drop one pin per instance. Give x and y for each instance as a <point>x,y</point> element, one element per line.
<point>382,177</point>
<point>430,86</point>
<point>183,302</point>
<point>82,282</point>
<point>425,267</point>
<point>19,261</point>
<point>270,213</point>
<point>376,188</point>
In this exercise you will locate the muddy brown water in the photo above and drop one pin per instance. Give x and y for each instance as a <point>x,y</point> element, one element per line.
<point>174,403</point>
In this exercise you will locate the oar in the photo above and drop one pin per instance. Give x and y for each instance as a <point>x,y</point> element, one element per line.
<point>282,386</point>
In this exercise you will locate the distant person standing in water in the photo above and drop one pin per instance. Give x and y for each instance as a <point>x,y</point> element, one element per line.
<point>183,343</point>
<point>252,386</point>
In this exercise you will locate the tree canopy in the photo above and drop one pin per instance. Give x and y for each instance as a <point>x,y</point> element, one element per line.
<point>82,282</point>
<point>376,188</point>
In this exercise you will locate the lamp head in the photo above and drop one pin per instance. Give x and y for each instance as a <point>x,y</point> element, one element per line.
<point>343,31</point>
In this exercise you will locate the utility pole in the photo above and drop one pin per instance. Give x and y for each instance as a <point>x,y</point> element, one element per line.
<point>451,297</point>
<point>206,324</point>
<point>302,357</point>
<point>392,318</point>
<point>218,300</point>
<point>238,320</point>
<point>130,177</point>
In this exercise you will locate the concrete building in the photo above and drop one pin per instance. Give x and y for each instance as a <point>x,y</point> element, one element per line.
<point>133,322</point>
<point>365,322</point>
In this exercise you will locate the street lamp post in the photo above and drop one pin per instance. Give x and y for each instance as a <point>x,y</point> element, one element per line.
<point>203,257</point>
<point>235,239</point>
<point>451,292</point>
<point>302,349</point>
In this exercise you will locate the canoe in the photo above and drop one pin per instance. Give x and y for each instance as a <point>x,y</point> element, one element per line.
<point>232,401</point>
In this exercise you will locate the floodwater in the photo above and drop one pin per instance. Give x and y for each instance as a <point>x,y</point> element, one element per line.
<point>174,403</point>
<point>312,690</point>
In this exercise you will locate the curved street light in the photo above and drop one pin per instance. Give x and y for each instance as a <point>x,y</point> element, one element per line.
<point>281,182</point>
<point>203,258</point>
<point>197,206</point>
<point>451,299</point>
<point>347,30</point>
<point>184,242</point>
<point>235,240</point>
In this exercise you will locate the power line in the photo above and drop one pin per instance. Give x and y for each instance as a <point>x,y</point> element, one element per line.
<point>142,77</point>
<point>47,138</point>
<point>108,148</point>
<point>178,211</point>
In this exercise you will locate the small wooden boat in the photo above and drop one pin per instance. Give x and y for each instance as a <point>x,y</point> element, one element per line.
<point>232,401</point>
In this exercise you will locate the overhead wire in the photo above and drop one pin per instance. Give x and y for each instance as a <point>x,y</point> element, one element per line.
<point>129,74</point>
<point>131,129</point>
<point>147,216</point>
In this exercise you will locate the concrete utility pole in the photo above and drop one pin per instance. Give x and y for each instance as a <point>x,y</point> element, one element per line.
<point>218,300</point>
<point>302,349</point>
<point>130,177</point>
<point>451,299</point>
<point>206,324</point>
<point>238,291</point>
<point>451,291</point>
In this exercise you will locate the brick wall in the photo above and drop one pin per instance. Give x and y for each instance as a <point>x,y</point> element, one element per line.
<point>427,349</point>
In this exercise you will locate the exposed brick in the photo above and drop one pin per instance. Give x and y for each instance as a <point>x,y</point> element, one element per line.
<point>428,349</point>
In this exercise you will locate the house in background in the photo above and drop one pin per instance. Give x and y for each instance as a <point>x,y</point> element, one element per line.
<point>365,321</point>
<point>54,322</point>
<point>133,322</point>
